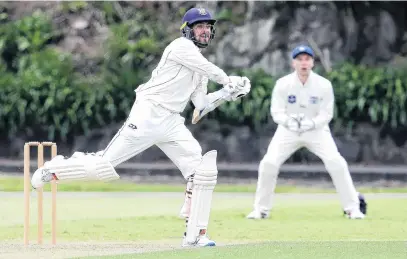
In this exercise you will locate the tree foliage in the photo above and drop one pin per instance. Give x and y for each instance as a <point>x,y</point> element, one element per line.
<point>40,93</point>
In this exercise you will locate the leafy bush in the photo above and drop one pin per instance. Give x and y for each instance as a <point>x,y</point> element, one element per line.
<point>365,94</point>
<point>40,93</point>
<point>30,34</point>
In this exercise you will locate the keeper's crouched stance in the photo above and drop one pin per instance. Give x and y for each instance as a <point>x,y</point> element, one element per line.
<point>303,105</point>
<point>181,76</point>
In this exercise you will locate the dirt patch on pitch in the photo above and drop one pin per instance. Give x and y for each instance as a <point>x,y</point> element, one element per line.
<point>75,250</point>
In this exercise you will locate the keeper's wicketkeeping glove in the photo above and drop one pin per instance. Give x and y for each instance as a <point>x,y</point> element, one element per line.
<point>306,125</point>
<point>293,124</point>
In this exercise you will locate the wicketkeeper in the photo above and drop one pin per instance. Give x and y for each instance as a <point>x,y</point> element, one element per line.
<point>181,75</point>
<point>302,105</point>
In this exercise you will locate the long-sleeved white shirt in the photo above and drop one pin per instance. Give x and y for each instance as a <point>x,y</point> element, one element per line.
<point>181,71</point>
<point>315,99</point>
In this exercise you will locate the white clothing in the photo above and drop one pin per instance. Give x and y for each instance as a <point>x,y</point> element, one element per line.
<point>181,75</point>
<point>155,126</point>
<point>315,100</point>
<point>181,69</point>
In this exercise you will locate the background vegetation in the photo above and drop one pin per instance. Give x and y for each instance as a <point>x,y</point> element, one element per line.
<point>42,93</point>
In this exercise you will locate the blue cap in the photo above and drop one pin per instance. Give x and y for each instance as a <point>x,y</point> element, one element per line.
<point>302,49</point>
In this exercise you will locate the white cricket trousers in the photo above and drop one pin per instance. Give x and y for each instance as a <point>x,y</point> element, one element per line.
<point>320,142</point>
<point>150,124</point>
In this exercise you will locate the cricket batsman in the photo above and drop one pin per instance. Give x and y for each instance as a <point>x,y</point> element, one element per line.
<point>302,105</point>
<point>181,75</point>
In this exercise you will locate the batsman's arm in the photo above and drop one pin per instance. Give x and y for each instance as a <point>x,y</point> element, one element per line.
<point>189,56</point>
<point>278,104</point>
<point>326,110</point>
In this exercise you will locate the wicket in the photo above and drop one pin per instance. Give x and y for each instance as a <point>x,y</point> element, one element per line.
<point>27,187</point>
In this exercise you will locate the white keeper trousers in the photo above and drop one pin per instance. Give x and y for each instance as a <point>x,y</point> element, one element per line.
<point>320,142</point>
<point>150,124</point>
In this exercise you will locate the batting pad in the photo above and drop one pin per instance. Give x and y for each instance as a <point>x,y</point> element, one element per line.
<point>205,179</point>
<point>81,166</point>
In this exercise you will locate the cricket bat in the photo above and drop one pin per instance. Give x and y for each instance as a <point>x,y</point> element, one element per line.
<point>198,114</point>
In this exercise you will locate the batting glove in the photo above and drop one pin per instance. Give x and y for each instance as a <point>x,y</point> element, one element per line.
<point>238,87</point>
<point>242,90</point>
<point>235,83</point>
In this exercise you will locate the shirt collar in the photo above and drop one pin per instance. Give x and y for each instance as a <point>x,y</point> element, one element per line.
<point>307,83</point>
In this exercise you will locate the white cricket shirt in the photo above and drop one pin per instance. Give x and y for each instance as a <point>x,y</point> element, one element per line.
<point>315,99</point>
<point>181,70</point>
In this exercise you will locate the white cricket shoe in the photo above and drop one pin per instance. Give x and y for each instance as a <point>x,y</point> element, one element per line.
<point>255,214</point>
<point>40,177</point>
<point>355,214</point>
<point>201,241</point>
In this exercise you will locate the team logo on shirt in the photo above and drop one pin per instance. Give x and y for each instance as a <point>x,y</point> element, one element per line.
<point>291,99</point>
<point>313,99</point>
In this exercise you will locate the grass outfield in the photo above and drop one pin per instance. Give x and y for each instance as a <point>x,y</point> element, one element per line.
<point>14,184</point>
<point>124,225</point>
<point>285,250</point>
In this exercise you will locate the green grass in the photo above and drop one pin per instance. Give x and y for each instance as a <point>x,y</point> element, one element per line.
<point>14,184</point>
<point>285,250</point>
<point>308,228</point>
<point>142,219</point>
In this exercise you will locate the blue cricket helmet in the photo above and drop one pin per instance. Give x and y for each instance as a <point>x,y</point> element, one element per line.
<point>196,15</point>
